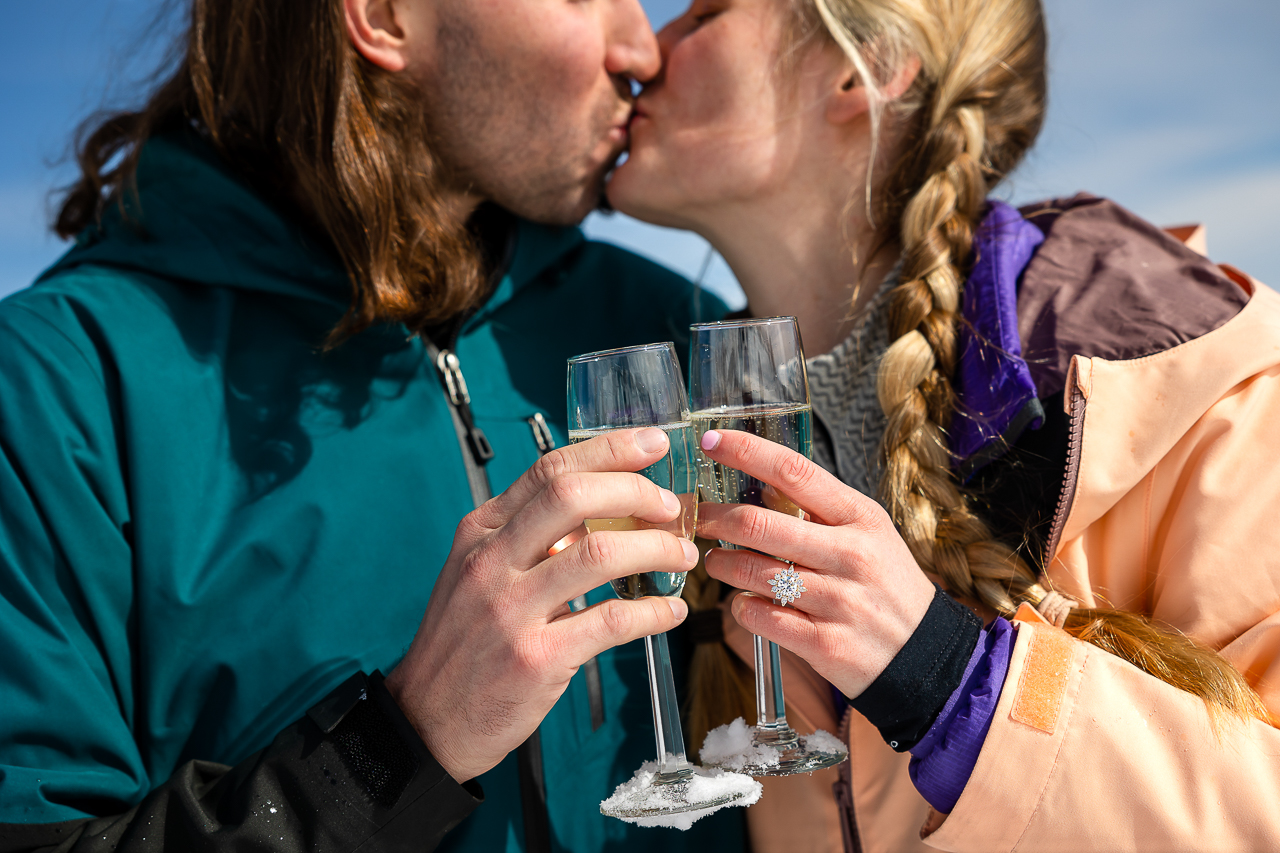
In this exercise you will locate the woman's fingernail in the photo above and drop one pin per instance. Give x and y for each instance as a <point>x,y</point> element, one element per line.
<point>651,440</point>
<point>678,608</point>
<point>739,604</point>
<point>669,500</point>
<point>710,440</point>
<point>690,551</point>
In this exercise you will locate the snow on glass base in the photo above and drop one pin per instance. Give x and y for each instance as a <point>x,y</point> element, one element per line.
<point>732,747</point>
<point>648,800</point>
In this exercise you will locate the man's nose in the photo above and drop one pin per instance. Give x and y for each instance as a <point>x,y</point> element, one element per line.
<point>632,49</point>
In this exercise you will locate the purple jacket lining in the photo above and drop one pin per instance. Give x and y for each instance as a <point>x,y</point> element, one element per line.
<point>943,760</point>
<point>997,397</point>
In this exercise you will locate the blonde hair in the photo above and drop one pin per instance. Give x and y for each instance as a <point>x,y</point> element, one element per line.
<point>972,111</point>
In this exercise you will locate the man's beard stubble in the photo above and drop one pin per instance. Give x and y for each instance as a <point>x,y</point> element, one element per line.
<point>486,126</point>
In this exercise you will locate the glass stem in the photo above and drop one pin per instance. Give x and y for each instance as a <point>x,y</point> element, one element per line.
<point>771,705</point>
<point>666,713</point>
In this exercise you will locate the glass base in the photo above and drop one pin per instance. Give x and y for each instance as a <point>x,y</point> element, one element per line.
<point>651,797</point>
<point>788,753</point>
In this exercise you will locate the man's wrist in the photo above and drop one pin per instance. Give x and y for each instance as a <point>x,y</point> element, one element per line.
<point>398,690</point>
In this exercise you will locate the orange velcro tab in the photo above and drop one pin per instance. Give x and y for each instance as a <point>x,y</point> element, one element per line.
<point>1044,680</point>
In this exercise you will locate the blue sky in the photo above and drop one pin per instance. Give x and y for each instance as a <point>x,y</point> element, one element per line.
<point>1170,107</point>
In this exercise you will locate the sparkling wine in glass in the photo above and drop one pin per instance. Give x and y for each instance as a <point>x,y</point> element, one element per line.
<point>641,387</point>
<point>750,375</point>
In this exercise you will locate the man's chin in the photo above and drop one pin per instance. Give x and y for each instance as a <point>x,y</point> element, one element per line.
<point>568,207</point>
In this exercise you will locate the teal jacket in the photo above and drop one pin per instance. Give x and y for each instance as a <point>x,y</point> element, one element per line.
<point>207,523</point>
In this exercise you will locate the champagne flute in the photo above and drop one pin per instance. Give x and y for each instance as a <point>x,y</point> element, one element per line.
<point>750,375</point>
<point>637,387</point>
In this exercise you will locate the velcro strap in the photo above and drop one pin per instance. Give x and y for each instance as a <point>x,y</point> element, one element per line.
<point>1043,684</point>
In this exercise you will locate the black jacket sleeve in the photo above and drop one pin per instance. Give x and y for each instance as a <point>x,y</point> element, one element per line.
<point>907,697</point>
<point>350,775</point>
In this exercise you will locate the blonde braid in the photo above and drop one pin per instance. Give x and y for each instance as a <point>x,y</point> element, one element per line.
<point>914,384</point>
<point>979,116</point>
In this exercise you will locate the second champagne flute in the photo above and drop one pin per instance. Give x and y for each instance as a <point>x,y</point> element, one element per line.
<point>750,375</point>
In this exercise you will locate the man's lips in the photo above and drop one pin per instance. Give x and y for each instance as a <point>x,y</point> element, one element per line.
<point>618,133</point>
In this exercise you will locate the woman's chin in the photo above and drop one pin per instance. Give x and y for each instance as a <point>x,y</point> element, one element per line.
<point>632,189</point>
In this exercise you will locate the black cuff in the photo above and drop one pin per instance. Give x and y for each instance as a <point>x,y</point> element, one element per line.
<point>352,774</point>
<point>415,801</point>
<point>907,697</point>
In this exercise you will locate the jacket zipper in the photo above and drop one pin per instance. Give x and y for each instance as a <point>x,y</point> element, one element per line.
<point>1075,420</point>
<point>591,669</point>
<point>476,453</point>
<point>475,447</point>
<point>843,789</point>
<point>456,387</point>
<point>541,433</point>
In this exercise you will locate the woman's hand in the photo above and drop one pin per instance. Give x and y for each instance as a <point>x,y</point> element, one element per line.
<point>865,594</point>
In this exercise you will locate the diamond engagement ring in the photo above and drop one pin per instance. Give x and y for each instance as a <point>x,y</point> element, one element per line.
<point>787,586</point>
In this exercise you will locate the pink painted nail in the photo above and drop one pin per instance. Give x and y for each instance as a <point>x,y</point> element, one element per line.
<point>710,440</point>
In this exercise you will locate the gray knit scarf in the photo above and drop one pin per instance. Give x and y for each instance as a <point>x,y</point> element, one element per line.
<point>848,422</point>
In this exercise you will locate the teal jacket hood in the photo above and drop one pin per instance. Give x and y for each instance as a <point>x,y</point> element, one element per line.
<point>210,522</point>
<point>227,236</point>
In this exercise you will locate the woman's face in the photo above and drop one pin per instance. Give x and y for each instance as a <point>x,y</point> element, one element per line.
<point>722,123</point>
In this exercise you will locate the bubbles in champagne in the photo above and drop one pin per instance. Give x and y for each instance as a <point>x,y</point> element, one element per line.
<point>675,471</point>
<point>790,426</point>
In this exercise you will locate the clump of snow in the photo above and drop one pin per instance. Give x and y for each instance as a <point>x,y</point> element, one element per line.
<point>730,746</point>
<point>821,741</point>
<point>715,787</point>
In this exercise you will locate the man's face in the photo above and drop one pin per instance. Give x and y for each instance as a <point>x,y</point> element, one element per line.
<point>528,100</point>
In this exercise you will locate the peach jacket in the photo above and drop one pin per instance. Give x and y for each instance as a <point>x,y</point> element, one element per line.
<point>1170,508</point>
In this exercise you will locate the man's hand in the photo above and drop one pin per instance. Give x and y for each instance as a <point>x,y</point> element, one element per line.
<point>498,643</point>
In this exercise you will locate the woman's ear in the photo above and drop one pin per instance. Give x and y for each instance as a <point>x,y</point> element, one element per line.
<point>851,99</point>
<point>848,101</point>
<point>376,33</point>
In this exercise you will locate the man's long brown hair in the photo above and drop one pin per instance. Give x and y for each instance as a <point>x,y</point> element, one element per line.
<point>289,104</point>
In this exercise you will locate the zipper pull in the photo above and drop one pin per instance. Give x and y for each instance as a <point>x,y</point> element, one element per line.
<point>456,387</point>
<point>541,433</point>
<point>454,382</point>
